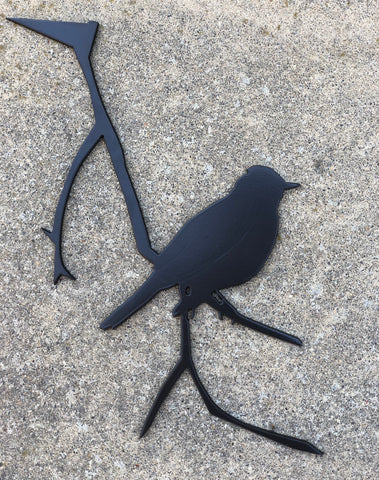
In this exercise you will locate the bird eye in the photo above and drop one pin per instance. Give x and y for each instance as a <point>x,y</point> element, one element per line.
<point>188,290</point>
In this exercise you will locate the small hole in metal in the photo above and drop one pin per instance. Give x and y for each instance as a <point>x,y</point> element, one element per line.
<point>188,290</point>
<point>217,297</point>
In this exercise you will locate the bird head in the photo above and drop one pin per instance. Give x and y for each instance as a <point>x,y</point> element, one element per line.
<point>265,179</point>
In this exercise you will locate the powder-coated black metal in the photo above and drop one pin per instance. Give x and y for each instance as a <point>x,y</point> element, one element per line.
<point>224,245</point>
<point>81,36</point>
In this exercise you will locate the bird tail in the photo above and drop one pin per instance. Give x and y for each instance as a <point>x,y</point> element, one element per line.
<point>144,294</point>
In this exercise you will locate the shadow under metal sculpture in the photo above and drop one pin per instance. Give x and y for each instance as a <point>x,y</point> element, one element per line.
<point>225,245</point>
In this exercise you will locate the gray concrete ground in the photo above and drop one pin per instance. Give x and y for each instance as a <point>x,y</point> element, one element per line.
<point>198,92</point>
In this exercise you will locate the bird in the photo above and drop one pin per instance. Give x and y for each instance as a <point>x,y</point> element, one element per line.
<point>224,245</point>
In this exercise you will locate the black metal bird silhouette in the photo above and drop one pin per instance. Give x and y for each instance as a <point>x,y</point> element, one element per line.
<point>224,245</point>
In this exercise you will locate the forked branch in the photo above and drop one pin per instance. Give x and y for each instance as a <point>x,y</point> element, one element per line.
<point>186,363</point>
<point>81,36</point>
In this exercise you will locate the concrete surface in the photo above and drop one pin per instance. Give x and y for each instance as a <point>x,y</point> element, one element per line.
<point>198,92</point>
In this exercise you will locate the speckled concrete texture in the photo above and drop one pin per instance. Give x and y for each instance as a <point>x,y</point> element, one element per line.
<point>198,92</point>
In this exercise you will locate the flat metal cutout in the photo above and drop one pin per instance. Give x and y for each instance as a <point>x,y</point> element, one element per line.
<point>225,245</point>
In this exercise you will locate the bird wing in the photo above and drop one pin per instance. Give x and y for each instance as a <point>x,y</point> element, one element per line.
<point>207,236</point>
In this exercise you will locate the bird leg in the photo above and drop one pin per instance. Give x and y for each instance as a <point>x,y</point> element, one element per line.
<point>217,301</point>
<point>186,362</point>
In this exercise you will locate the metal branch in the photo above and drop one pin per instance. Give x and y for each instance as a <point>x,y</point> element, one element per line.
<point>81,36</point>
<point>186,363</point>
<point>224,307</point>
<point>56,234</point>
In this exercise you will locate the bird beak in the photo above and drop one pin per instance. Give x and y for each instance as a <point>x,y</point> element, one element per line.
<point>291,185</point>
